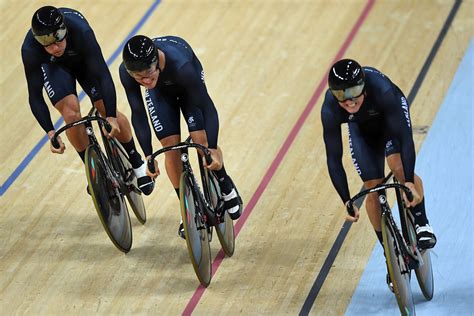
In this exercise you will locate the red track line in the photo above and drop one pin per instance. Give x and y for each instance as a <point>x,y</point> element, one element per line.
<point>280,155</point>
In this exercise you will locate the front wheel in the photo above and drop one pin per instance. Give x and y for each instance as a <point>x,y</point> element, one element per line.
<point>195,230</point>
<point>108,200</point>
<point>397,269</point>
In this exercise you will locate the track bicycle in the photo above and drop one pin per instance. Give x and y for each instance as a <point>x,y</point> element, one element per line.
<point>201,210</point>
<point>110,177</point>
<point>400,247</point>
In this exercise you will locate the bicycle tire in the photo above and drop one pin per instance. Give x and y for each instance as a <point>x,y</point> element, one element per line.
<point>195,230</point>
<point>401,281</point>
<point>225,230</point>
<point>122,165</point>
<point>108,200</point>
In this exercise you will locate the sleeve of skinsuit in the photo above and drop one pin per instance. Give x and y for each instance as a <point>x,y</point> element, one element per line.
<point>333,141</point>
<point>97,68</point>
<point>189,78</point>
<point>139,117</point>
<point>397,117</point>
<point>34,79</point>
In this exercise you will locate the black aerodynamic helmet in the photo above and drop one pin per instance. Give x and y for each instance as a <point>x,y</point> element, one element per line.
<point>139,54</point>
<point>48,25</point>
<point>346,80</point>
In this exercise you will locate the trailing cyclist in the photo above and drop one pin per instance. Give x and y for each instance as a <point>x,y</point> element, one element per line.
<point>58,50</point>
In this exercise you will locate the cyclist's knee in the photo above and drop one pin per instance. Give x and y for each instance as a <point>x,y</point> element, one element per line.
<point>395,164</point>
<point>369,184</point>
<point>125,134</point>
<point>121,118</point>
<point>171,140</point>
<point>100,106</point>
<point>372,198</point>
<point>200,137</point>
<point>69,109</point>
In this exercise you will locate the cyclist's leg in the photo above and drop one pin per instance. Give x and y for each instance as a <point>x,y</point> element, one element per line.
<point>70,110</point>
<point>394,162</point>
<point>174,168</point>
<point>125,134</point>
<point>62,94</point>
<point>164,113</point>
<point>145,183</point>
<point>368,158</point>
<point>372,205</point>
<point>203,125</point>
<point>425,234</point>
<point>173,164</point>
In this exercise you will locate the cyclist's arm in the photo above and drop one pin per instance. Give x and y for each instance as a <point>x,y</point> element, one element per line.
<point>97,68</point>
<point>34,80</point>
<point>139,116</point>
<point>399,124</point>
<point>334,150</point>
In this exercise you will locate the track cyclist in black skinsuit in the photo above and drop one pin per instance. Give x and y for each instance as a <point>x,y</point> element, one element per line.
<point>174,82</point>
<point>377,114</point>
<point>59,50</point>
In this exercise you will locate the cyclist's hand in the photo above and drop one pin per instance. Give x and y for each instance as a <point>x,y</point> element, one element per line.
<point>157,170</point>
<point>216,163</point>
<point>115,127</point>
<point>61,148</point>
<point>416,195</point>
<point>354,218</point>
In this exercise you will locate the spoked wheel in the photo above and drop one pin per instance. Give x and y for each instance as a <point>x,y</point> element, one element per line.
<point>397,269</point>
<point>108,200</point>
<point>195,231</point>
<point>122,165</point>
<point>225,230</point>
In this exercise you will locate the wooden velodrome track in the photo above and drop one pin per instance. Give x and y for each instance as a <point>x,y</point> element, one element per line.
<point>264,61</point>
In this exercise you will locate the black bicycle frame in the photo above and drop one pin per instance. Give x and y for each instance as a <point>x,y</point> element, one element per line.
<point>87,121</point>
<point>412,257</point>
<point>211,214</point>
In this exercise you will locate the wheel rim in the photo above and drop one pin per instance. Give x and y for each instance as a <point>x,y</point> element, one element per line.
<point>195,232</point>
<point>108,201</point>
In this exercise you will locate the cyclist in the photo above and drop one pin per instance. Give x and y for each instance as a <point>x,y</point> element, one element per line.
<point>173,79</point>
<point>59,50</point>
<point>379,124</point>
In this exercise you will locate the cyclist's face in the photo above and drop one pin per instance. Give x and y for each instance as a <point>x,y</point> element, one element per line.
<point>147,78</point>
<point>353,105</point>
<point>57,48</point>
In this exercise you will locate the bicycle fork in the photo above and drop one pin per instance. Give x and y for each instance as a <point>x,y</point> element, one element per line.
<point>206,216</point>
<point>110,174</point>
